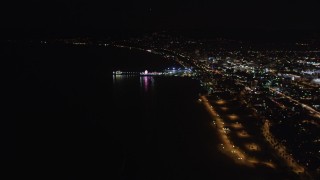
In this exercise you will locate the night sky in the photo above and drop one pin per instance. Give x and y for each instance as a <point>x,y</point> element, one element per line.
<point>89,16</point>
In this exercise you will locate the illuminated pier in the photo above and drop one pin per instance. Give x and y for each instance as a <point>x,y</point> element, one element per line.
<point>167,72</point>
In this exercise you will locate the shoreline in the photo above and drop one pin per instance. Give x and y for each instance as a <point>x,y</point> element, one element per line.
<point>231,131</point>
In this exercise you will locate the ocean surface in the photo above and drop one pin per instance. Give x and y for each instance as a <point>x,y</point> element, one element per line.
<point>69,117</point>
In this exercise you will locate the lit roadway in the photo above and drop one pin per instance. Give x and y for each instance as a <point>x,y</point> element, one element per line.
<point>311,110</point>
<point>280,149</point>
<point>156,51</point>
<point>227,146</point>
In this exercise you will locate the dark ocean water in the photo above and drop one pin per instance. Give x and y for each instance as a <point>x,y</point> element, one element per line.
<point>70,118</point>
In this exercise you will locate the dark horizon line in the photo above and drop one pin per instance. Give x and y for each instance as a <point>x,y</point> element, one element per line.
<point>236,33</point>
